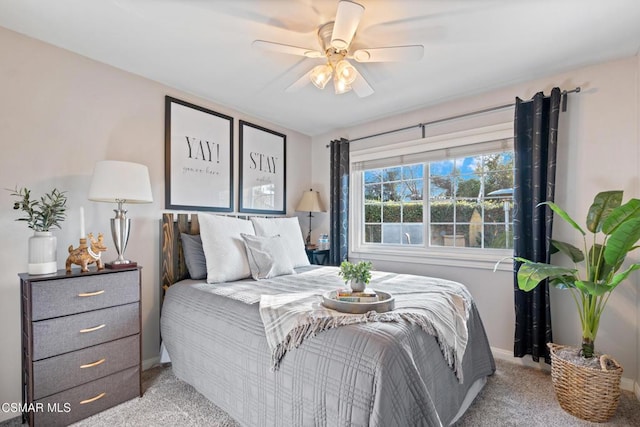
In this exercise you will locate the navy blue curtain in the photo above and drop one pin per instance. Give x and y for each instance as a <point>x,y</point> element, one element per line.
<point>339,200</point>
<point>535,142</point>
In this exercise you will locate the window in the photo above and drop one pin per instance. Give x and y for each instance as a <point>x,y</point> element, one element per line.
<point>393,205</point>
<point>471,201</point>
<point>469,205</point>
<point>429,196</point>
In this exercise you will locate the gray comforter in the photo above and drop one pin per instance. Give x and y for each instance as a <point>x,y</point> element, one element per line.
<point>377,373</point>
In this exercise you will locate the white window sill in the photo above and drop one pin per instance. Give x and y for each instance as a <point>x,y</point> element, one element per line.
<point>485,259</point>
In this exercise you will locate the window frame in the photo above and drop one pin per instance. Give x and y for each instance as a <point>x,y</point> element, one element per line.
<point>424,254</point>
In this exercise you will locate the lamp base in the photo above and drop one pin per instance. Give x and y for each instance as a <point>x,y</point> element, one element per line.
<point>115,265</point>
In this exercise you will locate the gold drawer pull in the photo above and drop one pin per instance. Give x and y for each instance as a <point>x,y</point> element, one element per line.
<point>95,328</point>
<point>91,294</point>
<point>93,399</point>
<point>91,365</point>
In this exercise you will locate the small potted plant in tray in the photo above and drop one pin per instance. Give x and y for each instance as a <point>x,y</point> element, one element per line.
<point>358,275</point>
<point>586,385</point>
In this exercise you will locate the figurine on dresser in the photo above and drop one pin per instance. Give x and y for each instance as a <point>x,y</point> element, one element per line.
<point>85,255</point>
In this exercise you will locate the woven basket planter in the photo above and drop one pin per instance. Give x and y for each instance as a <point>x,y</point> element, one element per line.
<point>584,392</point>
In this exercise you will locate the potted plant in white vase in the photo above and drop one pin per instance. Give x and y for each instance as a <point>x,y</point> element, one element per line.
<point>587,385</point>
<point>41,215</point>
<point>358,275</point>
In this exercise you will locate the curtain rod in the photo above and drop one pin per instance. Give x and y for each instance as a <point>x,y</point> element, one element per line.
<point>459,116</point>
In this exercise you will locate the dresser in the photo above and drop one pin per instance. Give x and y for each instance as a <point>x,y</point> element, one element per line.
<point>81,346</point>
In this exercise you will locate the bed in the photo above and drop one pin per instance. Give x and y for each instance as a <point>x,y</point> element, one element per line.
<point>376,372</point>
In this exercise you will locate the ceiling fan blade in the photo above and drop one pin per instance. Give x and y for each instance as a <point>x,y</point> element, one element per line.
<point>390,54</point>
<point>300,83</point>
<point>286,48</point>
<point>347,20</point>
<point>361,87</point>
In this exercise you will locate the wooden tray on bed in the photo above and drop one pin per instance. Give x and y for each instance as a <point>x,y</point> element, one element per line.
<point>386,303</point>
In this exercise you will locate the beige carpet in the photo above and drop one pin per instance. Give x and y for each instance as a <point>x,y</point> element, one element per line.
<point>514,396</point>
<point>522,396</point>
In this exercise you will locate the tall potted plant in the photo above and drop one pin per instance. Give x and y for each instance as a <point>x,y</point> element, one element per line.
<point>613,230</point>
<point>41,215</point>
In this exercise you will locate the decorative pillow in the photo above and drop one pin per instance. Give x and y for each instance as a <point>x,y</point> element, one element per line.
<point>267,257</point>
<point>194,256</point>
<point>224,248</point>
<point>291,234</point>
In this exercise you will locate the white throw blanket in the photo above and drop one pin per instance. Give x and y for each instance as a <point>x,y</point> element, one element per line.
<point>440,308</point>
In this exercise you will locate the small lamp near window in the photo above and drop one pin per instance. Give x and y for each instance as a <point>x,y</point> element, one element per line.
<point>310,202</point>
<point>120,182</point>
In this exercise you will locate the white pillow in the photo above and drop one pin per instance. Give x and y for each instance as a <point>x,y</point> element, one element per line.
<point>267,257</point>
<point>224,248</point>
<point>291,234</point>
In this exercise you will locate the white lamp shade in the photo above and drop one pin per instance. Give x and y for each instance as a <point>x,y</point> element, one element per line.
<point>115,181</point>
<point>310,202</point>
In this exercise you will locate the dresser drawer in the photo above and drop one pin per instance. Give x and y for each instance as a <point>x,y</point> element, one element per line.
<point>65,408</point>
<point>61,297</point>
<point>60,373</point>
<point>64,334</point>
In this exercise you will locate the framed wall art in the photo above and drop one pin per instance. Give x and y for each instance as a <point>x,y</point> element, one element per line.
<point>262,170</point>
<point>198,158</point>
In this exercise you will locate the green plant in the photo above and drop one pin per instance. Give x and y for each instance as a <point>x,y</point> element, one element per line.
<point>43,214</point>
<point>360,272</point>
<point>591,289</point>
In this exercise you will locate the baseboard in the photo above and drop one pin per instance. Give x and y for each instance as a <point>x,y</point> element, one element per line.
<point>506,355</point>
<point>627,384</point>
<point>150,363</point>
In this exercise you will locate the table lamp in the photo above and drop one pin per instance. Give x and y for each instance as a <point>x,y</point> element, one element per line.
<point>310,202</point>
<point>120,182</point>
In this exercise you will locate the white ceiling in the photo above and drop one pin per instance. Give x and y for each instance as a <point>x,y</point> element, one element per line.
<point>204,47</point>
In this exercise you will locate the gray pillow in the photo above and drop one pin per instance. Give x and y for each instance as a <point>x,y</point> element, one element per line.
<point>267,256</point>
<point>194,256</point>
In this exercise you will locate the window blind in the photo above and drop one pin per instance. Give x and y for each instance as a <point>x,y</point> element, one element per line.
<point>490,139</point>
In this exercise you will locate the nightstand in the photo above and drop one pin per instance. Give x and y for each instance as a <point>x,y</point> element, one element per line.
<point>81,347</point>
<point>318,256</point>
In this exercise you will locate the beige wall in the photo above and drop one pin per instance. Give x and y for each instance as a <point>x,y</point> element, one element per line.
<point>598,150</point>
<point>59,114</point>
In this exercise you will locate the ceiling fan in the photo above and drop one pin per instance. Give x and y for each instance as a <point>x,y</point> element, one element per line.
<point>335,39</point>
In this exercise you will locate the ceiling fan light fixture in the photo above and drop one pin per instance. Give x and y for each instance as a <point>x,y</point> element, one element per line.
<point>320,75</point>
<point>340,85</point>
<point>345,71</point>
<point>335,39</point>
